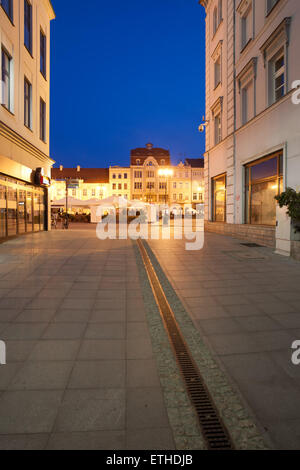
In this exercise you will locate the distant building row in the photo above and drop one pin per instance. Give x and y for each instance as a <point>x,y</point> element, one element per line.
<point>150,178</point>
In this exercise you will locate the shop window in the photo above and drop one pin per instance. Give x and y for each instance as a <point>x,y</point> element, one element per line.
<point>3,211</point>
<point>264,181</point>
<point>219,198</point>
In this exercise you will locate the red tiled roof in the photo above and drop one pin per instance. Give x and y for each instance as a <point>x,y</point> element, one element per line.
<point>88,175</point>
<point>143,153</point>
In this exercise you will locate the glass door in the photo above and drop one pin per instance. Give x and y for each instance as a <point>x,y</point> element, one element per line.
<point>21,211</point>
<point>29,212</point>
<point>11,210</point>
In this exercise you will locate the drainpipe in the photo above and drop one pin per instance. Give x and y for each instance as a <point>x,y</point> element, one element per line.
<point>234,111</point>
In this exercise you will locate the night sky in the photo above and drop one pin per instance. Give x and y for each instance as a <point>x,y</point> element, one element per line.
<point>124,73</point>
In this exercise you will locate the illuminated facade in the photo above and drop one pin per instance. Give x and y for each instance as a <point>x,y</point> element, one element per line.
<point>150,178</point>
<point>25,163</point>
<point>252,130</point>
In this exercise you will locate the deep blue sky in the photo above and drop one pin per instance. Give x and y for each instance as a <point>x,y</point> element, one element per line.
<point>124,73</point>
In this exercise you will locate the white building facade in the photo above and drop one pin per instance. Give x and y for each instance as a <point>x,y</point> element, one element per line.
<point>25,164</point>
<point>252,126</point>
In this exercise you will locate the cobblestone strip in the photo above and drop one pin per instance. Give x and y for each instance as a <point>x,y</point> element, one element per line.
<point>241,426</point>
<point>182,417</point>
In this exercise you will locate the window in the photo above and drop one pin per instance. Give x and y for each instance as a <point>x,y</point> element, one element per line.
<point>150,174</point>
<point>120,176</point>
<point>7,6</point>
<point>125,176</point>
<point>217,68</point>
<point>84,192</point>
<point>195,196</point>
<point>125,186</point>
<point>137,185</point>
<point>175,185</point>
<point>174,197</point>
<point>43,56</point>
<point>218,131</point>
<point>264,181</point>
<point>74,192</point>
<point>42,120</point>
<point>246,27</point>
<point>150,185</point>
<point>220,13</point>
<point>138,174</point>
<point>119,187</point>
<point>6,80</point>
<point>28,25</point>
<point>162,185</point>
<point>93,192</point>
<point>27,103</point>
<point>215,20</point>
<point>114,176</point>
<point>138,162</point>
<point>114,186</point>
<point>163,162</point>
<point>217,16</point>
<point>219,198</point>
<point>277,72</point>
<point>270,5</point>
<point>245,105</point>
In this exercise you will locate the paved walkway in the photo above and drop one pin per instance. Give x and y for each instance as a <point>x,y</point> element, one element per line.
<point>80,369</point>
<point>245,302</point>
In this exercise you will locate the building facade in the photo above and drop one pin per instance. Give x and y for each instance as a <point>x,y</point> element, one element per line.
<point>25,164</point>
<point>93,183</point>
<point>252,135</point>
<point>150,178</point>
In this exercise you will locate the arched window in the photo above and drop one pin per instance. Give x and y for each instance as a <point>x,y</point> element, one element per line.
<point>138,162</point>
<point>163,162</point>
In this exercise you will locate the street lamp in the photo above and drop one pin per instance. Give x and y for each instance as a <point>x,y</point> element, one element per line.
<point>167,173</point>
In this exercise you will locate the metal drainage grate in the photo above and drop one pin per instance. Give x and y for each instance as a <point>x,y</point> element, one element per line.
<point>214,431</point>
<point>252,245</point>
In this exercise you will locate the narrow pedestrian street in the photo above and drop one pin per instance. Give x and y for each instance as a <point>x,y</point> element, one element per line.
<point>90,366</point>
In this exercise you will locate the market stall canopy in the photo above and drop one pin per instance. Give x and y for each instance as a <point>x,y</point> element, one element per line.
<point>114,201</point>
<point>73,202</point>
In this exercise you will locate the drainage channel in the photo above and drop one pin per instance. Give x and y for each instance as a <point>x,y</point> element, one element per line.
<point>213,429</point>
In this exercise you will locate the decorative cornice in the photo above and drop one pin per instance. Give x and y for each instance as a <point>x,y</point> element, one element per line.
<point>18,140</point>
<point>217,50</point>
<point>218,105</point>
<point>243,7</point>
<point>284,30</point>
<point>250,67</point>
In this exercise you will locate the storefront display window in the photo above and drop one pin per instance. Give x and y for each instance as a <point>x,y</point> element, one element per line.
<point>22,207</point>
<point>264,181</point>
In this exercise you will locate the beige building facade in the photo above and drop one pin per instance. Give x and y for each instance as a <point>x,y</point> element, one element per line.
<point>150,178</point>
<point>25,163</point>
<point>252,133</point>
